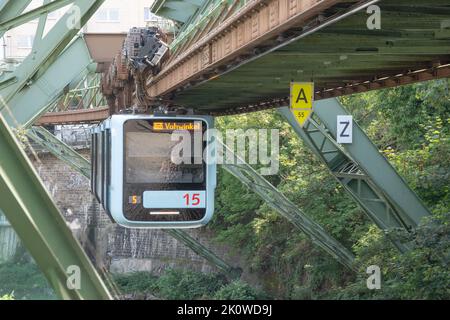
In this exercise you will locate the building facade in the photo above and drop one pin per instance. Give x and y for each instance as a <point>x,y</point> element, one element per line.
<point>114,16</point>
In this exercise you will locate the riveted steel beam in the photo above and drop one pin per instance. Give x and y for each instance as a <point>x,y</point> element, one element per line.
<point>36,98</point>
<point>60,150</point>
<point>9,9</point>
<point>32,14</point>
<point>361,169</point>
<point>48,49</point>
<point>41,227</point>
<point>252,31</point>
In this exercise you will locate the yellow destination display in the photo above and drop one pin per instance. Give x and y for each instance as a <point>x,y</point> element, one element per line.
<point>301,101</point>
<point>171,126</point>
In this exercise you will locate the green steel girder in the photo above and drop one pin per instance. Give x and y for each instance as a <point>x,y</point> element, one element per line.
<point>86,94</point>
<point>60,150</point>
<point>67,154</point>
<point>279,202</point>
<point>201,250</point>
<point>361,169</point>
<point>41,227</point>
<point>41,27</point>
<point>48,50</point>
<point>33,100</point>
<point>9,9</point>
<point>193,27</point>
<point>16,21</point>
<point>180,11</point>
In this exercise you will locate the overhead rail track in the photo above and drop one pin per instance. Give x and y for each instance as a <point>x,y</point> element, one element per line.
<point>247,61</point>
<point>229,57</point>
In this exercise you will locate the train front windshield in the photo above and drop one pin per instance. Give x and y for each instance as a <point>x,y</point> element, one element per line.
<point>164,171</point>
<point>150,160</point>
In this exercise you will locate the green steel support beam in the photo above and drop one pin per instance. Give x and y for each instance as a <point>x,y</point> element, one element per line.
<point>201,250</point>
<point>34,100</point>
<point>67,154</point>
<point>61,150</point>
<point>9,9</point>
<point>32,14</point>
<point>41,227</point>
<point>41,27</point>
<point>276,200</point>
<point>361,169</point>
<point>195,26</point>
<point>48,50</point>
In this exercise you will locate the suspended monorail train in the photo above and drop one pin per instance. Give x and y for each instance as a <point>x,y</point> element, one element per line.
<point>152,171</point>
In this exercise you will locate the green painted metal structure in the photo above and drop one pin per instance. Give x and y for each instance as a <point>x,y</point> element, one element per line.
<point>361,169</point>
<point>41,227</point>
<point>343,54</point>
<point>39,95</point>
<point>24,94</point>
<point>61,150</point>
<point>35,72</point>
<point>340,59</point>
<point>10,9</point>
<point>280,203</point>
<point>16,21</point>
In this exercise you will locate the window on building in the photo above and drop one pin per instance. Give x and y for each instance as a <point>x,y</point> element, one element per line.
<point>107,15</point>
<point>25,41</point>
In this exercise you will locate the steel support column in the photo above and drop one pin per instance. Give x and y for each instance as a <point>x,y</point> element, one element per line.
<point>41,227</point>
<point>34,99</point>
<point>48,49</point>
<point>201,250</point>
<point>61,150</point>
<point>276,200</point>
<point>9,9</point>
<point>7,24</point>
<point>361,169</point>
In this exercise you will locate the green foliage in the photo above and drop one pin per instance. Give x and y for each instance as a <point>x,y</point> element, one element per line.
<point>137,282</point>
<point>188,285</point>
<point>173,284</point>
<point>236,290</point>
<point>422,273</point>
<point>25,281</point>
